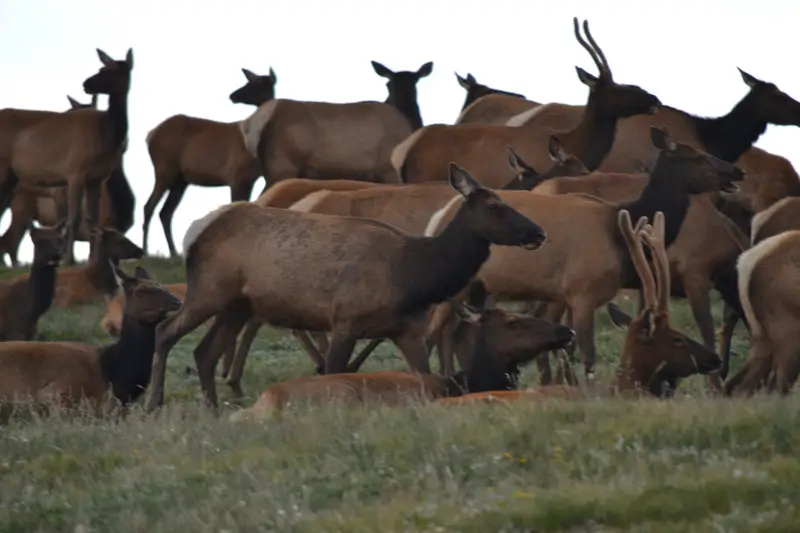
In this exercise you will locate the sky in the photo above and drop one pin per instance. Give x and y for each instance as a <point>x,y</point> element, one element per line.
<point>188,56</point>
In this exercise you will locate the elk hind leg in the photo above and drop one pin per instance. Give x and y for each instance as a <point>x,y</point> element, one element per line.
<point>176,192</point>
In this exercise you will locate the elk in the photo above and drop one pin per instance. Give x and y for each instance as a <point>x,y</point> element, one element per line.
<point>288,192</point>
<point>584,265</point>
<point>188,150</point>
<point>768,275</point>
<point>504,342</point>
<point>370,280</point>
<point>503,103</point>
<point>71,372</point>
<point>323,140</point>
<point>87,284</point>
<point>482,147</point>
<point>408,208</point>
<point>24,301</point>
<point>49,205</point>
<point>80,148</point>
<point>111,322</point>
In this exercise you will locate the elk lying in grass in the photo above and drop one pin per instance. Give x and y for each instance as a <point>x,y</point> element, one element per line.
<point>324,140</point>
<point>111,322</point>
<point>585,266</point>
<point>80,148</point>
<point>370,280</point>
<point>408,208</point>
<point>196,151</point>
<point>90,283</point>
<point>423,155</point>
<point>495,107</point>
<point>504,342</point>
<point>768,274</point>
<point>70,372</point>
<point>24,301</point>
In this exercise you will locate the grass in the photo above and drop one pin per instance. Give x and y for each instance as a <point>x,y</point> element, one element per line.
<point>691,464</point>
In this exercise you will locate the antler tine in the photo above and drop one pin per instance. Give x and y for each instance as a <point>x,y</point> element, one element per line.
<point>636,250</point>
<point>604,69</point>
<point>588,48</point>
<point>655,241</point>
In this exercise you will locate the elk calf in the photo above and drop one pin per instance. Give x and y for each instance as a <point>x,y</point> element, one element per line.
<point>68,372</point>
<point>111,322</point>
<point>504,342</point>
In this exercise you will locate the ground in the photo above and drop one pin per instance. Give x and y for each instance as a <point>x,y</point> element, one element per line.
<point>691,464</point>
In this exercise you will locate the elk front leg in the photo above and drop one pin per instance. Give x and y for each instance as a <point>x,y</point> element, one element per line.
<point>93,208</point>
<point>730,318</point>
<point>698,293</point>
<point>755,372</point>
<point>341,348</point>
<point>75,190</point>
<point>234,377</point>
<point>583,313</point>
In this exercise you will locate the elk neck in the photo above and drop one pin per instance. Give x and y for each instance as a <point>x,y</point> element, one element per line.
<point>593,137</point>
<point>100,272</point>
<point>433,269</point>
<point>127,364</point>
<point>406,103</point>
<point>122,198</point>
<point>41,285</point>
<point>117,117</point>
<point>729,136</point>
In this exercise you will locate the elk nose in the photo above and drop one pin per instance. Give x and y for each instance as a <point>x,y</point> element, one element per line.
<point>565,335</point>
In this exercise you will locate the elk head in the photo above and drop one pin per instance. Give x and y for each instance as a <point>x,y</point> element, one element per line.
<point>48,242</point>
<point>701,172</point>
<point>654,354</point>
<point>257,90</point>
<point>527,177</point>
<point>770,103</point>
<point>113,78</point>
<point>613,99</point>
<point>145,300</point>
<point>403,89</point>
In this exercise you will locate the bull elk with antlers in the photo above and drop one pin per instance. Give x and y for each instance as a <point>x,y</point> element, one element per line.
<point>196,151</point>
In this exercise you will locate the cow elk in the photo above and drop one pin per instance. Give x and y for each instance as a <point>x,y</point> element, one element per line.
<point>325,140</point>
<point>482,147</point>
<point>369,280</point>
<point>111,322</point>
<point>196,151</point>
<point>503,343</point>
<point>502,103</point>
<point>68,373</point>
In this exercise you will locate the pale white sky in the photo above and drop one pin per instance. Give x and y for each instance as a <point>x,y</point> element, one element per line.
<point>188,56</point>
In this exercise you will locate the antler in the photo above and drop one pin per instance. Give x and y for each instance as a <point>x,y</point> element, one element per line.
<point>655,241</point>
<point>636,250</point>
<point>594,50</point>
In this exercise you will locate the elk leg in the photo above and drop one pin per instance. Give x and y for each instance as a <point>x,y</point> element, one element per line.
<point>241,191</point>
<point>314,353</point>
<point>159,189</point>
<point>75,189</point>
<point>93,209</point>
<point>445,348</point>
<point>174,198</point>
<point>698,294</point>
<point>321,338</point>
<point>754,373</point>
<point>730,318</point>
<point>23,209</point>
<point>363,354</point>
<point>584,317</point>
<point>228,325</point>
<point>7,188</point>
<point>411,343</point>
<point>786,362</point>
<point>234,379</point>
<point>341,348</point>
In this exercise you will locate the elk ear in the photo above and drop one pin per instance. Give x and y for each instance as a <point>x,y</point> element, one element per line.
<point>518,164</point>
<point>586,78</point>
<point>143,274</point>
<point>465,312</point>
<point>73,103</point>
<point>251,76</point>
<point>129,58</point>
<point>105,58</point>
<point>381,70</point>
<point>461,181</point>
<point>661,139</point>
<point>464,82</point>
<point>749,79</point>
<point>619,317</point>
<point>556,150</point>
<point>425,70</point>
<point>273,75</point>
<point>122,278</point>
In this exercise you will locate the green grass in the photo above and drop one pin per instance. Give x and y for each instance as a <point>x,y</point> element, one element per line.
<point>691,464</point>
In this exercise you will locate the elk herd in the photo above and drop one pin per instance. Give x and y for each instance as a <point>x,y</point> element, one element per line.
<point>375,226</point>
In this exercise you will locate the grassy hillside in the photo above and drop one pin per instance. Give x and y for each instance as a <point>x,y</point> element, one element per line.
<point>692,464</point>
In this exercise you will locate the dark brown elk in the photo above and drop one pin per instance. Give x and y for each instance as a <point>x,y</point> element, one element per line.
<point>24,301</point>
<point>369,279</point>
<point>324,140</point>
<point>768,284</point>
<point>111,322</point>
<point>70,372</point>
<point>503,343</point>
<point>408,208</point>
<point>80,148</point>
<point>585,263</point>
<point>95,281</point>
<point>422,156</point>
<point>495,110</point>
<point>196,151</point>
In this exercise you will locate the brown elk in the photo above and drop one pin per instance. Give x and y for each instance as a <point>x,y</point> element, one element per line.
<point>768,277</point>
<point>49,205</point>
<point>90,283</point>
<point>503,104</point>
<point>70,372</point>
<point>370,280</point>
<point>584,265</point>
<point>196,151</point>
<point>408,208</point>
<point>323,140</point>
<point>422,155</point>
<point>24,301</point>
<point>80,148</point>
<point>111,322</point>
<point>503,343</point>
<point>288,192</point>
